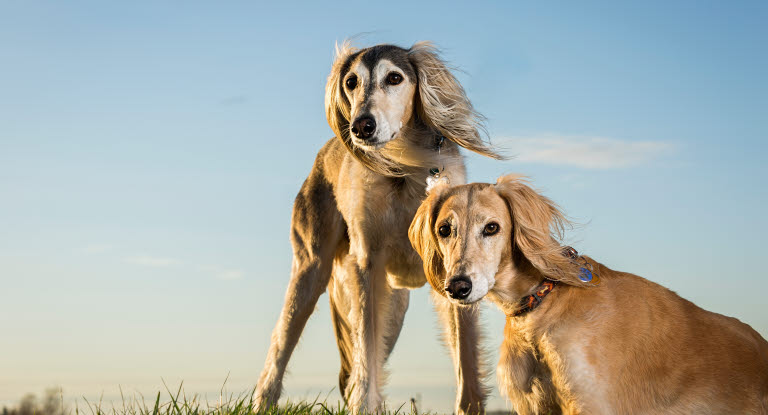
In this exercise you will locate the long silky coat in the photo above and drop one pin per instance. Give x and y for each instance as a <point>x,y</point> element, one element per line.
<point>617,344</point>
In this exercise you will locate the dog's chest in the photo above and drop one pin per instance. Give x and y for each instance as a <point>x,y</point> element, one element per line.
<point>379,209</point>
<point>549,372</point>
<point>582,377</point>
<point>378,212</point>
<point>386,204</point>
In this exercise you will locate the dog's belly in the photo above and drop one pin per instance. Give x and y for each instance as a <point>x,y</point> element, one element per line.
<point>404,270</point>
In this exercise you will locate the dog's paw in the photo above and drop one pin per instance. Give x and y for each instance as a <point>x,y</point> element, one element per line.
<point>474,408</point>
<point>361,398</point>
<point>266,395</point>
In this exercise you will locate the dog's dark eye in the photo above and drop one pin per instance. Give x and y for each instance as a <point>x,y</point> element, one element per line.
<point>444,231</point>
<point>351,82</point>
<point>491,229</point>
<point>394,78</point>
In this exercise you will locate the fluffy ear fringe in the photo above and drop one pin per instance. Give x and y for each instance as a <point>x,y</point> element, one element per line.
<point>424,241</point>
<point>442,103</point>
<point>337,108</point>
<point>538,227</point>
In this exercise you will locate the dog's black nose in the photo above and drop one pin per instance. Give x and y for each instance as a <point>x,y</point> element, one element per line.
<point>459,287</point>
<point>364,127</point>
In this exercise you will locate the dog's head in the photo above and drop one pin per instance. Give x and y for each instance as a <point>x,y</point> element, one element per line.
<point>476,238</point>
<point>375,94</point>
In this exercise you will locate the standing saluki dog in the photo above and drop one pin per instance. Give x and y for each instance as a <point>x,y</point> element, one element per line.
<point>399,116</point>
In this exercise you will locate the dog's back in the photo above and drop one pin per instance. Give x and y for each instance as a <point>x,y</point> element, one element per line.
<point>652,351</point>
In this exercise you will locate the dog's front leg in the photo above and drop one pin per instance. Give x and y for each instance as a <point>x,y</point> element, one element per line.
<point>462,336</point>
<point>368,285</point>
<point>308,282</point>
<point>317,229</point>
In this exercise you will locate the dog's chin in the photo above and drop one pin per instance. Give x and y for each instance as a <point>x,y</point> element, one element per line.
<point>367,145</point>
<point>475,297</point>
<point>466,302</point>
<point>376,143</point>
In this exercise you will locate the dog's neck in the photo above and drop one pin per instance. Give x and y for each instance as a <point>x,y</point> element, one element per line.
<point>419,147</point>
<point>417,153</point>
<point>514,281</point>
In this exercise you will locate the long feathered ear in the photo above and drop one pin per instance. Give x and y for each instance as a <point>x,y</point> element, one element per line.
<point>337,107</point>
<point>424,241</point>
<point>538,225</point>
<point>442,103</point>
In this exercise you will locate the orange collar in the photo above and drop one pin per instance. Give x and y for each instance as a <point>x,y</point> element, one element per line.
<point>532,301</point>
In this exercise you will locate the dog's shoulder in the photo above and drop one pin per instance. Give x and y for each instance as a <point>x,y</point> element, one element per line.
<point>330,156</point>
<point>325,169</point>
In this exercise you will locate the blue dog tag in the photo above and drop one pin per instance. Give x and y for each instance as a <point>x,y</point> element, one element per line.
<point>585,275</point>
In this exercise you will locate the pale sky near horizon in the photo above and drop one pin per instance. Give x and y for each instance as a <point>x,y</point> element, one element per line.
<point>150,153</point>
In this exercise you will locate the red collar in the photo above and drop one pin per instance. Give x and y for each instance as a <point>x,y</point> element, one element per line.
<point>532,301</point>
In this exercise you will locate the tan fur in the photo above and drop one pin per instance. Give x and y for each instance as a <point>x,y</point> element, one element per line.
<point>624,346</point>
<point>351,218</point>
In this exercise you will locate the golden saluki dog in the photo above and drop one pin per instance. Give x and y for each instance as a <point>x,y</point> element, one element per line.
<point>399,115</point>
<point>580,337</point>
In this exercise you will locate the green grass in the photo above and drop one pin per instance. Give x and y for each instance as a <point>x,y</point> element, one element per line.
<point>178,403</point>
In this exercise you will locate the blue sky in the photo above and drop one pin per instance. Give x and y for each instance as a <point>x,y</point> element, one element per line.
<point>150,153</point>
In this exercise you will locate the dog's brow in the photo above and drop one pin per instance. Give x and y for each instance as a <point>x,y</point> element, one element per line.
<point>388,64</point>
<point>481,218</point>
<point>396,55</point>
<point>362,68</point>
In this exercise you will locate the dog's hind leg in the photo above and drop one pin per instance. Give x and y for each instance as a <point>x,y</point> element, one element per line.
<point>317,230</point>
<point>398,306</point>
<point>462,335</point>
<point>370,322</point>
<point>340,316</point>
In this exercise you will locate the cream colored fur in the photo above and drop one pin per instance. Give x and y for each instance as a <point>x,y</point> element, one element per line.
<point>351,218</point>
<point>623,346</point>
